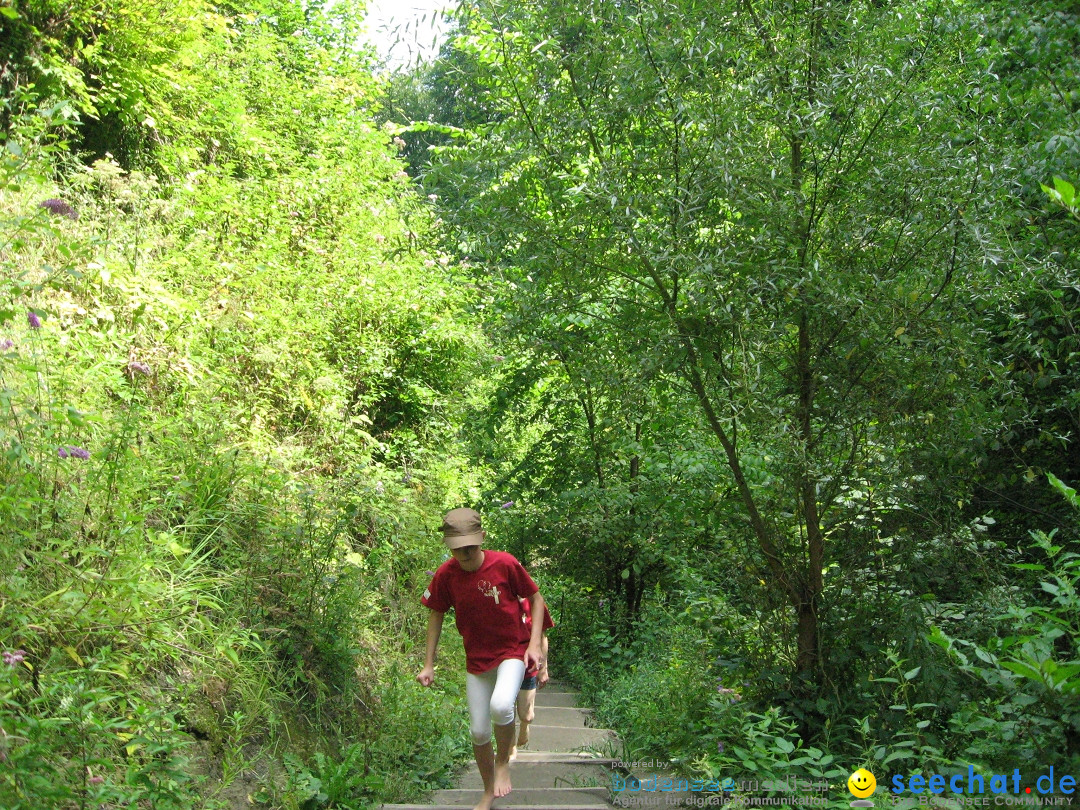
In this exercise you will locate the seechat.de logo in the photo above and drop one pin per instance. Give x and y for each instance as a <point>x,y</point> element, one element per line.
<point>862,785</point>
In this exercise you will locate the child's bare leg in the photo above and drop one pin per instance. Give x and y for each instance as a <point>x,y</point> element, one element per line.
<point>485,763</point>
<point>526,712</point>
<point>526,702</point>
<point>504,739</point>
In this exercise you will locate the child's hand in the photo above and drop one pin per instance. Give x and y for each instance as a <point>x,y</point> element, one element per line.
<point>534,659</point>
<point>426,676</point>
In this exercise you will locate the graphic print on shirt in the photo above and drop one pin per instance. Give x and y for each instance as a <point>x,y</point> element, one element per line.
<point>487,589</point>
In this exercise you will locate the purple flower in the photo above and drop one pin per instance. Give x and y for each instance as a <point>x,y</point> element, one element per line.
<point>430,573</point>
<point>96,780</point>
<point>13,658</point>
<point>73,452</point>
<point>507,505</point>
<point>33,320</point>
<point>720,747</point>
<point>59,208</point>
<point>732,696</point>
<point>6,345</point>
<point>62,452</point>
<point>135,367</point>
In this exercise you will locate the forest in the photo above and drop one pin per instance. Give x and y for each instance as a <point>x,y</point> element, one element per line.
<point>749,326</point>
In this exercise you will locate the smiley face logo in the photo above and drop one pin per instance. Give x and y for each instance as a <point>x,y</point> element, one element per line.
<point>861,783</point>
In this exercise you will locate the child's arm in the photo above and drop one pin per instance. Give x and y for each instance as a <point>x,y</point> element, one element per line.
<point>534,656</point>
<point>542,676</point>
<point>426,677</point>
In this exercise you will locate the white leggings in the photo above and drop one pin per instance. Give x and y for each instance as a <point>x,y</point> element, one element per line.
<point>492,696</point>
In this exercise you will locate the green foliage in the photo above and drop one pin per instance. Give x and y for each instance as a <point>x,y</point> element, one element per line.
<point>231,385</point>
<point>780,350</point>
<point>65,728</point>
<point>1028,670</point>
<point>678,215</point>
<point>781,356</point>
<point>330,783</point>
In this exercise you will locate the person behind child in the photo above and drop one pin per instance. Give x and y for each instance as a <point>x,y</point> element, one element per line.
<point>484,587</point>
<point>537,679</point>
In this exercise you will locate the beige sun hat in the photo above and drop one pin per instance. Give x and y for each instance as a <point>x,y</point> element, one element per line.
<point>461,527</point>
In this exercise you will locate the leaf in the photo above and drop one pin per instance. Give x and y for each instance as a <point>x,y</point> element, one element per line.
<point>1024,670</point>
<point>1066,190</point>
<point>9,12</point>
<point>1068,492</point>
<point>912,674</point>
<point>901,754</point>
<point>74,656</point>
<point>1051,588</point>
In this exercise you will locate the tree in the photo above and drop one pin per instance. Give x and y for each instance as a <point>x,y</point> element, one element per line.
<point>772,204</point>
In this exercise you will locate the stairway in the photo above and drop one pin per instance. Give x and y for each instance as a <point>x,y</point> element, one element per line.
<point>562,767</point>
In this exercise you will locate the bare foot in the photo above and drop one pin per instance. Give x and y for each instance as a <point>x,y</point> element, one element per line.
<point>502,779</point>
<point>513,753</point>
<point>485,801</point>
<point>523,735</point>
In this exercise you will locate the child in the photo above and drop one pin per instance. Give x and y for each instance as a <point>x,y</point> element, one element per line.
<point>537,679</point>
<point>483,587</point>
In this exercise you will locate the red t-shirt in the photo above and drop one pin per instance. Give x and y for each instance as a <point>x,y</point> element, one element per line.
<point>485,602</point>
<point>526,615</point>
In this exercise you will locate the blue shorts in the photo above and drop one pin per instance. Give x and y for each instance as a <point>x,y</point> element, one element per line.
<point>529,682</point>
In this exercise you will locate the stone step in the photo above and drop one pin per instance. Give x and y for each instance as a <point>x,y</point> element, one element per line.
<point>556,699</point>
<point>559,686</point>
<point>567,757</point>
<point>528,797</point>
<point>561,716</point>
<point>529,774</point>
<point>562,738</point>
<point>567,764</point>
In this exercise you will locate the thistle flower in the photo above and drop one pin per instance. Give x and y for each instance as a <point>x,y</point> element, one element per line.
<point>59,208</point>
<point>73,452</point>
<point>62,452</point>
<point>13,658</point>
<point>507,505</point>
<point>33,320</point>
<point>96,780</point>
<point>7,344</point>
<point>720,747</point>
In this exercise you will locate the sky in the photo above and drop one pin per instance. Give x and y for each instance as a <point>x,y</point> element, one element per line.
<point>417,23</point>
